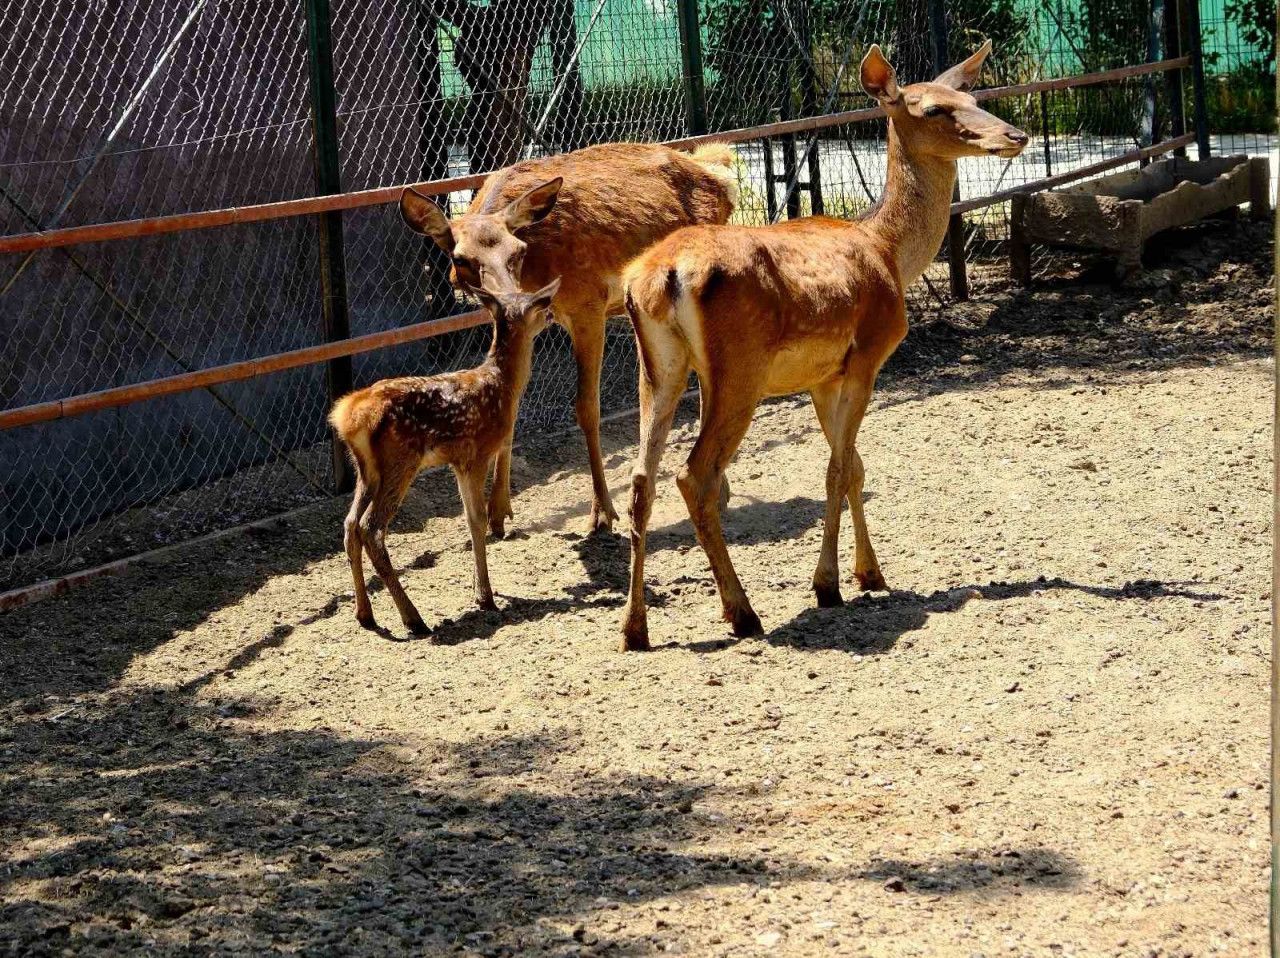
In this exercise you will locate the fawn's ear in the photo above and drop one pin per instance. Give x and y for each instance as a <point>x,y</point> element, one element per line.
<point>482,294</point>
<point>878,77</point>
<point>422,215</point>
<point>964,75</point>
<point>543,297</point>
<point>533,206</point>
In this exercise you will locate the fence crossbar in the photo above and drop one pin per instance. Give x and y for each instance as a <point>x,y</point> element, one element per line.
<point>231,372</point>
<point>237,215</point>
<point>1070,176</point>
<point>247,369</point>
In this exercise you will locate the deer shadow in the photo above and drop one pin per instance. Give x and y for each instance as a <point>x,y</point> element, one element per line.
<point>872,624</point>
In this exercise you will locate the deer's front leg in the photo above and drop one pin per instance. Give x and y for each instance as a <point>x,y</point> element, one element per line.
<point>471,488</point>
<point>832,408</point>
<point>588,352</point>
<point>500,494</point>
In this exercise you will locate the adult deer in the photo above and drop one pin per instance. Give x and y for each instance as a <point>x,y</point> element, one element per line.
<point>397,427</point>
<point>581,216</point>
<point>812,304</point>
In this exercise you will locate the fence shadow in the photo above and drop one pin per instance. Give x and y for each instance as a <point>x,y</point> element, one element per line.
<point>149,820</point>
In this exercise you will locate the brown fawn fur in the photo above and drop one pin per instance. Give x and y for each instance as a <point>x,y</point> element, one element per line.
<point>397,427</point>
<point>813,304</point>
<point>581,216</point>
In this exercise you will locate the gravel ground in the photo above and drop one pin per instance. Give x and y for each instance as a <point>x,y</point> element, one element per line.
<point>1049,739</point>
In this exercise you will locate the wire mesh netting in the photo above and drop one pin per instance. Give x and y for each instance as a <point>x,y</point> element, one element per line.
<point>144,108</point>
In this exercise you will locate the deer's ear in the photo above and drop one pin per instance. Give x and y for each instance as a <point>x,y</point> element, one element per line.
<point>533,206</point>
<point>422,215</point>
<point>482,294</point>
<point>543,297</point>
<point>878,77</point>
<point>964,75</point>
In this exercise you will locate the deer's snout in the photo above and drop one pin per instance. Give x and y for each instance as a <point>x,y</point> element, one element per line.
<point>1007,142</point>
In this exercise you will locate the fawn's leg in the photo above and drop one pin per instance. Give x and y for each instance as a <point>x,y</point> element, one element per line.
<point>395,479</point>
<point>727,415</point>
<point>500,494</point>
<point>355,550</point>
<point>588,351</point>
<point>658,402</point>
<point>471,488</point>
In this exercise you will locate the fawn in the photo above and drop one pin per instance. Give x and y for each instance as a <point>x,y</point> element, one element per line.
<point>581,216</point>
<point>397,427</point>
<point>812,304</point>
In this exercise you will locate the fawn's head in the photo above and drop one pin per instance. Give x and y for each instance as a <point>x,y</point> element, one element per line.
<point>515,311</point>
<point>485,248</point>
<point>940,117</point>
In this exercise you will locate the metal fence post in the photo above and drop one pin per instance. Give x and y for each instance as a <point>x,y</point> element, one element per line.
<point>695,94</point>
<point>955,226</point>
<point>333,269</point>
<point>1155,44</point>
<point>1200,111</point>
<point>1173,78</point>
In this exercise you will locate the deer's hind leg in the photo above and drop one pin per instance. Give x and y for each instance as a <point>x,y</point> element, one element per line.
<point>660,393</point>
<point>726,417</point>
<point>394,480</point>
<point>351,540</point>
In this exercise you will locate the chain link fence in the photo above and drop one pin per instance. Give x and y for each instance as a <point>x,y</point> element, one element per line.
<point>146,108</point>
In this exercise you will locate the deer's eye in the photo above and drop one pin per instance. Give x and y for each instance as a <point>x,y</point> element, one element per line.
<point>934,111</point>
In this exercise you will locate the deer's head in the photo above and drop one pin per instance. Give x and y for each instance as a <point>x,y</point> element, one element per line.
<point>515,311</point>
<point>941,117</point>
<point>485,248</point>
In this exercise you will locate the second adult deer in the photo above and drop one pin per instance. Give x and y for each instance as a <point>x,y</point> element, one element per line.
<point>812,304</point>
<point>397,427</point>
<point>580,216</point>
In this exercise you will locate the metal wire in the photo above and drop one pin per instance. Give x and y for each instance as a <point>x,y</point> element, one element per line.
<point>150,107</point>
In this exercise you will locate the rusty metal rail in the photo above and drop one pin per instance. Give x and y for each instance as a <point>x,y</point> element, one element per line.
<point>248,369</point>
<point>178,222</point>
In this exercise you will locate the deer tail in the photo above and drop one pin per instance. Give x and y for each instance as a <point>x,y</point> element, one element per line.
<point>353,419</point>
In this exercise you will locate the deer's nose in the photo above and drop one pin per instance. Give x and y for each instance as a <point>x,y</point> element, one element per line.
<point>1016,136</point>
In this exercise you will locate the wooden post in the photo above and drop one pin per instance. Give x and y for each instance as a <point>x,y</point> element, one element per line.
<point>695,94</point>
<point>955,226</point>
<point>1019,248</point>
<point>333,269</point>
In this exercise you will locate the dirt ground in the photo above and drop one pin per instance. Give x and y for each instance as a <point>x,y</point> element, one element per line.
<point>1049,739</point>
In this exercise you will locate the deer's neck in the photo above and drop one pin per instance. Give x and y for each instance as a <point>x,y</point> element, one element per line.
<point>913,213</point>
<point>511,363</point>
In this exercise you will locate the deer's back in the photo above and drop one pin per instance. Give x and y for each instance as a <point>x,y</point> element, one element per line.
<point>617,200</point>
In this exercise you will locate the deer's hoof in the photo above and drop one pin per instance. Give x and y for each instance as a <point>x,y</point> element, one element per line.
<point>746,624</point>
<point>829,596</point>
<point>872,581</point>
<point>635,636</point>
<point>417,627</point>
<point>486,603</point>
<point>366,620</point>
<point>602,522</point>
<point>498,528</point>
